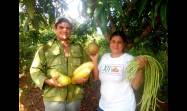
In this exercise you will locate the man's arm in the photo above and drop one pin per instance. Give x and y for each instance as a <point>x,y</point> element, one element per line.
<point>37,69</point>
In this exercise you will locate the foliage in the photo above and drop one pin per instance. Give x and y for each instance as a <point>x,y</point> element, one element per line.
<point>137,18</point>
<point>104,46</point>
<point>40,14</point>
<point>143,21</point>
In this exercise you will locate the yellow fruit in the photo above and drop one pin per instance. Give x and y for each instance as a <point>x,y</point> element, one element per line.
<point>89,65</point>
<point>92,48</point>
<point>83,71</point>
<point>63,80</point>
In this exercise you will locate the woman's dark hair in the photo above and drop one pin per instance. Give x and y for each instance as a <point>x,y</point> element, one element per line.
<point>121,34</point>
<point>62,19</point>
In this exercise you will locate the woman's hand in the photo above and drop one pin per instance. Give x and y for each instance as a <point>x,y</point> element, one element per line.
<point>142,61</point>
<point>95,71</point>
<point>139,78</point>
<point>94,58</point>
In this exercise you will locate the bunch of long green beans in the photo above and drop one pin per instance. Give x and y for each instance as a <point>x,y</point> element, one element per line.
<point>153,74</point>
<point>131,70</point>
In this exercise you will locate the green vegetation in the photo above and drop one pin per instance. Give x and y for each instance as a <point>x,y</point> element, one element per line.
<point>152,79</point>
<point>144,21</point>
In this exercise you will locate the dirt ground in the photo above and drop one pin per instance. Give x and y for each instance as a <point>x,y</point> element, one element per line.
<point>30,97</point>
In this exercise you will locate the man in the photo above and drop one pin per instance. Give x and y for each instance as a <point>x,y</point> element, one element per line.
<point>63,56</point>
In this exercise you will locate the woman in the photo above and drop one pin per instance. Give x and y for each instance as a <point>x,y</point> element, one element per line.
<point>117,91</point>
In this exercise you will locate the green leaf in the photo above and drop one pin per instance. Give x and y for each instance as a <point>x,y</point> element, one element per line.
<point>117,5</point>
<point>30,7</point>
<point>26,25</point>
<point>103,22</point>
<point>152,18</point>
<point>98,11</point>
<point>156,11</point>
<point>141,4</point>
<point>163,15</point>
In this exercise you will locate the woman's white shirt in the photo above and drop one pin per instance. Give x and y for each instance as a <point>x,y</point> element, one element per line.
<point>116,91</point>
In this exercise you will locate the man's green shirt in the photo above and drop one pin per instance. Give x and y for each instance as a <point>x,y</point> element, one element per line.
<point>51,57</point>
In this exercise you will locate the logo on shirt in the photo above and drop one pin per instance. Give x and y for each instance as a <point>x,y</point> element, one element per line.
<point>111,69</point>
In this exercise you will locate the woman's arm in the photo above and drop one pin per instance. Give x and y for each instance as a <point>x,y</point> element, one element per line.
<point>139,78</point>
<point>95,71</point>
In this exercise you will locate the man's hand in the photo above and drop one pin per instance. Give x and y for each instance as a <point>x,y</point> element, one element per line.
<point>81,80</point>
<point>53,83</point>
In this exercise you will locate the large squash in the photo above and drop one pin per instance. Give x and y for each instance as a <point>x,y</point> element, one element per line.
<point>61,79</point>
<point>64,80</point>
<point>83,71</point>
